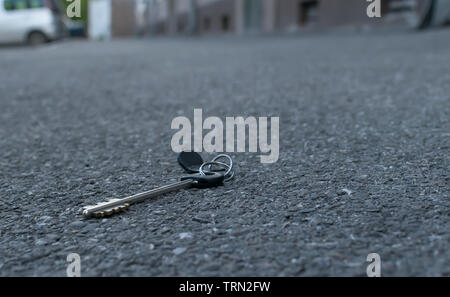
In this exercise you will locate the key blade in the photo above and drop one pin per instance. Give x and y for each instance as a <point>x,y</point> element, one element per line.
<point>182,184</point>
<point>110,211</point>
<point>100,207</point>
<point>107,208</point>
<point>103,210</point>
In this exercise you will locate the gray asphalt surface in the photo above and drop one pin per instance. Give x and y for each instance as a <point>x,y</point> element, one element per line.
<point>82,122</point>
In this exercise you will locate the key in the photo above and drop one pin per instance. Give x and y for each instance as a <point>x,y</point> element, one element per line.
<point>113,206</point>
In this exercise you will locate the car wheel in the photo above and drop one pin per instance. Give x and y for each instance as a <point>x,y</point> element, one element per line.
<point>36,39</point>
<point>424,11</point>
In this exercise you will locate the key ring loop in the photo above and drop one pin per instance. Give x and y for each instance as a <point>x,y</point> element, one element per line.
<point>223,156</point>
<point>223,165</point>
<point>229,173</point>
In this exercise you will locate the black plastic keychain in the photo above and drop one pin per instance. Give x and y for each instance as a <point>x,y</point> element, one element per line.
<point>190,161</point>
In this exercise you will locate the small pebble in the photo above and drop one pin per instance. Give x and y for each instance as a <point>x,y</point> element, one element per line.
<point>179,251</point>
<point>185,235</point>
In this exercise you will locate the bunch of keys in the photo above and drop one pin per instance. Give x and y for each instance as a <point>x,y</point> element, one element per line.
<point>203,175</point>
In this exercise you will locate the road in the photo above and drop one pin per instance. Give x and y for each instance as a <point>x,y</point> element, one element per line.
<point>363,165</point>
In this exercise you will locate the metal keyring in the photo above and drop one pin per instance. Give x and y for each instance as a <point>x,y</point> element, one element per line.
<point>223,156</point>
<point>229,166</point>
<point>229,173</point>
<point>223,165</point>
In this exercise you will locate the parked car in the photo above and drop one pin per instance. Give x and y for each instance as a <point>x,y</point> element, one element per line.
<point>31,21</point>
<point>74,28</point>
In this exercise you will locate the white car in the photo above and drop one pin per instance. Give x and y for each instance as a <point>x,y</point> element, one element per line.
<point>31,21</point>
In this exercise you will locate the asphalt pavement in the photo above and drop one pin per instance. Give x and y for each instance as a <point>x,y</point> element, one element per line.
<point>363,166</point>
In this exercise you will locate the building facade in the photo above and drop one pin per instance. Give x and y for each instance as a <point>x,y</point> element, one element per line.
<point>123,18</point>
<point>268,16</point>
<point>111,18</point>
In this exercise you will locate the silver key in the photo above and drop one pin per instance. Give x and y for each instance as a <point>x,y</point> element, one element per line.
<point>113,206</point>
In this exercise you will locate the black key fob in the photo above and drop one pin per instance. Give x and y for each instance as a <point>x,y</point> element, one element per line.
<point>190,161</point>
<point>211,179</point>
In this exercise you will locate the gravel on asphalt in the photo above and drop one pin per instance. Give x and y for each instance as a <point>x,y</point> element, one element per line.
<point>363,166</point>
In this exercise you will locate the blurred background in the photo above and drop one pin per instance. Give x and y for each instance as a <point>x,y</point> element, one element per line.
<point>38,21</point>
